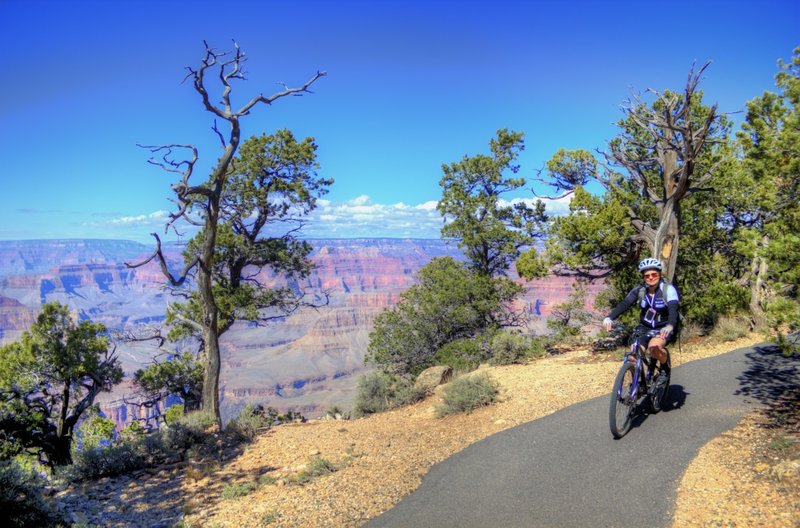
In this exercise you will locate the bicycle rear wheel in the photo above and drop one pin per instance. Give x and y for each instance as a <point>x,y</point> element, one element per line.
<point>621,410</point>
<point>659,396</point>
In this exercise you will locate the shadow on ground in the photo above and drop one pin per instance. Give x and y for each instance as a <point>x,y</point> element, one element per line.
<point>773,379</point>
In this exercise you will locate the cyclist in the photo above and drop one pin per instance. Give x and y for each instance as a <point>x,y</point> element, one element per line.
<point>658,304</point>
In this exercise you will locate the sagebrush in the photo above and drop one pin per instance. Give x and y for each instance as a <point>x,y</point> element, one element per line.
<point>466,394</point>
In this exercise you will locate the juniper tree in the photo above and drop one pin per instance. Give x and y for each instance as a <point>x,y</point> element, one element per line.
<point>49,379</point>
<point>217,260</point>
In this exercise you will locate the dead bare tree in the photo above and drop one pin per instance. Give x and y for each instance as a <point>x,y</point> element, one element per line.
<point>660,148</point>
<point>199,204</point>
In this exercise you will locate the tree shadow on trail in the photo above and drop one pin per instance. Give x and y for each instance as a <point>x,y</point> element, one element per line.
<point>773,379</point>
<point>770,375</point>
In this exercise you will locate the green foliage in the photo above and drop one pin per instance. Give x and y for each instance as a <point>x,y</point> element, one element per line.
<point>235,491</point>
<point>784,318</point>
<point>132,432</point>
<point>49,379</point>
<point>571,169</point>
<point>379,391</point>
<point>769,197</point>
<point>374,393</point>
<point>719,298</point>
<point>106,461</point>
<point>251,210</point>
<point>449,302</point>
<point>136,448</point>
<point>510,348</point>
<point>173,413</point>
<point>249,423</point>
<point>465,354</point>
<point>489,231</point>
<point>532,265</point>
<point>270,517</point>
<point>93,431</point>
<point>466,394</point>
<point>596,234</point>
<point>272,181</point>
<point>317,467</point>
<point>22,499</point>
<point>180,375</point>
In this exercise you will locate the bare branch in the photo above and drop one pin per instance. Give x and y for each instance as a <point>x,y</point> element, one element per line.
<point>287,91</point>
<point>159,256</point>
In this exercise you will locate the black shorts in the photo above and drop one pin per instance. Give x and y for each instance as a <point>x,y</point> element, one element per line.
<point>651,332</point>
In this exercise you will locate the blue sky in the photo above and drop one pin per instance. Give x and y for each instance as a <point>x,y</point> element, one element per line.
<point>411,85</point>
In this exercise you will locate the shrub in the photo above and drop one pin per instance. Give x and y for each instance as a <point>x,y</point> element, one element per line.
<point>374,394</point>
<point>508,348</point>
<point>730,328</point>
<point>22,501</point>
<point>234,491</point>
<point>97,462</point>
<point>198,420</point>
<point>137,448</point>
<point>691,330</point>
<point>467,394</point>
<point>132,432</point>
<point>94,431</point>
<point>537,347</point>
<point>249,423</point>
<point>316,468</point>
<point>783,315</point>
<point>173,413</point>
<point>379,391</point>
<point>407,393</point>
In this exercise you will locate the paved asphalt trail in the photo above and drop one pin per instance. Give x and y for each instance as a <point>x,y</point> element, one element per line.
<point>566,470</point>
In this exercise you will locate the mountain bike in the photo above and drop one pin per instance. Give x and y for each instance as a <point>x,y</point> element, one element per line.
<point>635,384</point>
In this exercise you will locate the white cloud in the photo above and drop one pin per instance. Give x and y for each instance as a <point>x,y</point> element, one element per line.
<point>554,207</point>
<point>147,219</point>
<point>356,218</point>
<point>360,217</point>
<point>360,200</point>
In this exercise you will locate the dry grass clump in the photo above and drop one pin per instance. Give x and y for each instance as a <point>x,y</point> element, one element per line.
<point>730,328</point>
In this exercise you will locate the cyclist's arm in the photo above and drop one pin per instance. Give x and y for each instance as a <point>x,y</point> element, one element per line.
<point>672,313</point>
<point>626,303</point>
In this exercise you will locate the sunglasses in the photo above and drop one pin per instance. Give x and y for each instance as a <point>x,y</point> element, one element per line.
<point>653,275</point>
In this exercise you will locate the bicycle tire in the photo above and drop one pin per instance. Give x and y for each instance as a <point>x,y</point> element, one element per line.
<point>659,397</point>
<point>622,406</point>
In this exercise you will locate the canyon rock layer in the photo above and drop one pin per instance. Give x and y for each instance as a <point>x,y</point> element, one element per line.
<point>307,362</point>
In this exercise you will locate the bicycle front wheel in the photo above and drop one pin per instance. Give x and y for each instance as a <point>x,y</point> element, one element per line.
<point>621,410</point>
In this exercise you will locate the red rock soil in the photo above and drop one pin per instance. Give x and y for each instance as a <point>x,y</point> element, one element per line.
<point>749,476</point>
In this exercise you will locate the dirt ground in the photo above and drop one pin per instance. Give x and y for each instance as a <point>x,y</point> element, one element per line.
<point>345,472</point>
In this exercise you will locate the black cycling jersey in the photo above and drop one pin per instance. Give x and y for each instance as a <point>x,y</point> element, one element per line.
<point>656,310</point>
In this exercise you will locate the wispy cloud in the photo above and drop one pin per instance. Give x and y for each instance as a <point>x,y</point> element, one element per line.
<point>359,217</point>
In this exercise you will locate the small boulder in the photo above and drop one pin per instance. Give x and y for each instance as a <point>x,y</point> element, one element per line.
<point>432,377</point>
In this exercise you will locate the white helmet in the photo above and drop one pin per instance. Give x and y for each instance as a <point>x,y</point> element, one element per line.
<point>650,263</point>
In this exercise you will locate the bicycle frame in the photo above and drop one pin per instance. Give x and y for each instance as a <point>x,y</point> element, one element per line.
<point>639,368</point>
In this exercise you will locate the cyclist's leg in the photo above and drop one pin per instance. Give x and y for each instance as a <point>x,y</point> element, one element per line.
<point>658,349</point>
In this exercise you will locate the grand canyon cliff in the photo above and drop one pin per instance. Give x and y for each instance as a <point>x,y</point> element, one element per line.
<point>306,362</point>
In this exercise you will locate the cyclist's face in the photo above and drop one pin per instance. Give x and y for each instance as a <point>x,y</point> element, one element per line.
<point>651,277</point>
